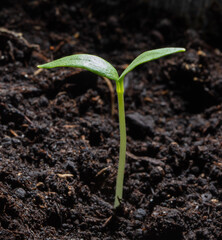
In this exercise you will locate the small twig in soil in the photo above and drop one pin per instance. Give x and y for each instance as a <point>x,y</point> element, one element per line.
<point>107,221</point>
<point>37,72</point>
<point>13,133</point>
<point>14,36</point>
<point>65,175</point>
<point>153,161</point>
<point>102,171</point>
<point>112,95</point>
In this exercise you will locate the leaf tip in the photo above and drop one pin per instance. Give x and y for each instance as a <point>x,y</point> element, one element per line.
<point>45,65</point>
<point>40,66</point>
<point>183,50</point>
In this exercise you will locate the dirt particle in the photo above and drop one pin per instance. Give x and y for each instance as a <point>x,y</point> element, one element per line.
<point>20,192</point>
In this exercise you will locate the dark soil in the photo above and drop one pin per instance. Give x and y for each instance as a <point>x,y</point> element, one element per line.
<point>60,143</point>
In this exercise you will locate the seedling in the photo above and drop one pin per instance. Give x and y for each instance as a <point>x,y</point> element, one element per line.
<point>102,68</point>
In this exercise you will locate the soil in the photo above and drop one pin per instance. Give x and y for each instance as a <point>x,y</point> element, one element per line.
<point>60,138</point>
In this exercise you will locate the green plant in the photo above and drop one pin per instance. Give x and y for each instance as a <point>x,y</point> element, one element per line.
<point>102,68</point>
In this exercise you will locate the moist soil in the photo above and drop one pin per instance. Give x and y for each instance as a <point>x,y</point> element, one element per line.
<point>59,128</point>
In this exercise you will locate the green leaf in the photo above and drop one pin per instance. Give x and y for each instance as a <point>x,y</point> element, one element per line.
<point>89,62</point>
<point>149,56</point>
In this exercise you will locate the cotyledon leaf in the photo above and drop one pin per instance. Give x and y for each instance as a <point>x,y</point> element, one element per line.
<point>149,56</point>
<point>89,62</point>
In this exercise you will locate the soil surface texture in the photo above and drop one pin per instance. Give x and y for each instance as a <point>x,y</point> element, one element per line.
<point>59,132</point>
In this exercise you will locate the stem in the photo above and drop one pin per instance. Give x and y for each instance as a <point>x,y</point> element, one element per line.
<point>122,151</point>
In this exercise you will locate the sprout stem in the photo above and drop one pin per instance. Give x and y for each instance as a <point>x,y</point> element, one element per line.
<point>122,152</point>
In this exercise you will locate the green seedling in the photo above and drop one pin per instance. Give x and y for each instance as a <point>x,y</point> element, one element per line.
<point>102,68</point>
